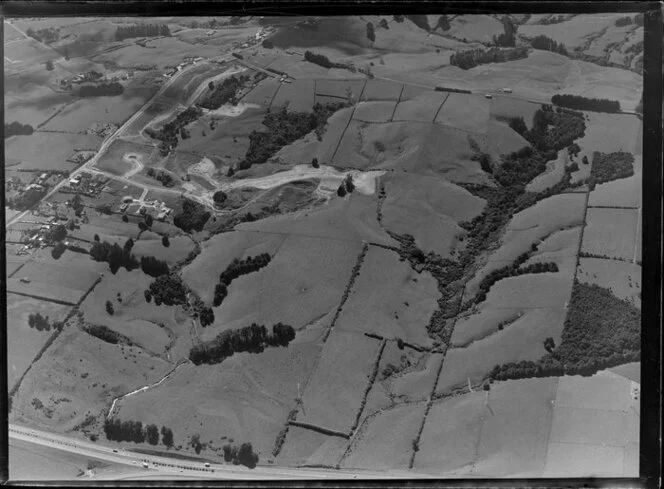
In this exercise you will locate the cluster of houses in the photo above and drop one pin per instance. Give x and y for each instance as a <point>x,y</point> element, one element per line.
<point>159,210</point>
<point>89,76</point>
<point>189,60</point>
<point>86,184</point>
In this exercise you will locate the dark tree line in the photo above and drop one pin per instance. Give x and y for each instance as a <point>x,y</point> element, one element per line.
<point>42,323</point>
<point>236,269</point>
<point>283,129</point>
<point>420,21</point>
<point>106,334</point>
<point>512,270</point>
<point>547,44</point>
<point>578,102</point>
<point>117,430</point>
<point>153,267</point>
<point>142,30</point>
<point>101,90</point>
<point>244,455</point>
<point>610,166</point>
<point>600,331</point>
<point>623,21</point>
<point>371,32</point>
<point>115,255</point>
<point>168,134</point>
<point>169,290</point>
<point>322,60</point>
<point>475,57</point>
<point>18,129</point>
<point>252,339</point>
<point>223,92</point>
<point>191,216</point>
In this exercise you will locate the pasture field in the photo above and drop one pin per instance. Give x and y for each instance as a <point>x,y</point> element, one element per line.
<point>502,108</point>
<point>50,273</point>
<point>381,90</point>
<point>334,393</point>
<point>247,398</point>
<point>374,111</point>
<point>308,447</point>
<point>47,151</point>
<point>385,441</point>
<point>465,112</point>
<point>23,342</point>
<point>311,275</point>
<point>478,28</point>
<point>78,376</point>
<point>165,51</point>
<point>263,93</point>
<point>583,408</point>
<point>299,95</point>
<point>416,384</point>
<point>623,279</point>
<point>115,160</point>
<point>631,371</point>
<point>528,226</point>
<point>44,291</point>
<point>560,248</point>
<point>428,208</point>
<point>178,249</point>
<point>109,228</point>
<point>611,233</point>
<point>421,107</point>
<point>27,53</point>
<point>341,89</point>
<point>625,192</point>
<point>390,299</point>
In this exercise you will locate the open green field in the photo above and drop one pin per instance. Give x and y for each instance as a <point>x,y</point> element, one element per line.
<point>247,398</point>
<point>332,397</point>
<point>422,107</point>
<point>560,248</point>
<point>374,112</point>
<point>623,279</point>
<point>47,151</point>
<point>299,95</point>
<point>308,447</point>
<point>23,342</point>
<point>416,384</point>
<point>115,160</point>
<point>466,112</point>
<point>611,233</point>
<point>390,299</point>
<point>625,192</point>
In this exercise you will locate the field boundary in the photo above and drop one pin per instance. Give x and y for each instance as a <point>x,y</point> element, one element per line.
<point>319,429</point>
<point>17,268</point>
<point>398,101</point>
<point>42,298</point>
<point>274,96</point>
<point>440,107</point>
<point>348,124</point>
<point>370,384</point>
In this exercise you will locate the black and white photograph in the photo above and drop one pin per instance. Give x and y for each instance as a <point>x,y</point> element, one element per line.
<point>255,245</point>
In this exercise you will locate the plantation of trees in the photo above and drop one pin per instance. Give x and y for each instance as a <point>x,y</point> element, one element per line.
<point>475,57</point>
<point>191,216</point>
<point>610,166</point>
<point>283,129</point>
<point>578,102</point>
<point>142,30</point>
<point>17,129</point>
<point>223,92</point>
<point>322,60</point>
<point>153,267</point>
<point>117,430</point>
<point>101,90</point>
<point>236,269</point>
<point>600,331</point>
<point>169,290</point>
<point>115,255</point>
<point>547,44</point>
<point>252,339</point>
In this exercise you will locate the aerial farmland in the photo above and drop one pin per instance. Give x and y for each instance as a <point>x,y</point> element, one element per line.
<point>393,246</point>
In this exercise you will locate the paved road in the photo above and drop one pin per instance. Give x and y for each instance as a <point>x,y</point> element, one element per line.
<point>160,467</point>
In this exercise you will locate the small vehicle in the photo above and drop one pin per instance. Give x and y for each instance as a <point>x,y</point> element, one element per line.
<point>115,450</point>
<point>507,90</point>
<point>145,465</point>
<point>207,464</point>
<point>488,95</point>
<point>25,280</point>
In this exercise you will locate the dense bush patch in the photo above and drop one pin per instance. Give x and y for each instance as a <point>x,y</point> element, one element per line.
<point>547,44</point>
<point>169,290</point>
<point>253,339</point>
<point>191,216</point>
<point>115,255</point>
<point>236,269</point>
<point>168,134</point>
<point>223,92</point>
<point>18,129</point>
<point>584,103</point>
<point>475,57</point>
<point>106,334</point>
<point>610,166</point>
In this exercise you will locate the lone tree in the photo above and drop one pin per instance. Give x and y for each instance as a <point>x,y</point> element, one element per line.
<point>49,65</point>
<point>58,250</point>
<point>341,191</point>
<point>165,241</point>
<point>152,434</point>
<point>149,220</point>
<point>148,295</point>
<point>549,344</point>
<point>371,33</point>
<point>96,237</point>
<point>109,308</point>
<point>219,197</point>
<point>211,85</point>
<point>584,160</point>
<point>314,163</point>
<point>246,455</point>
<point>167,436</point>
<point>125,218</point>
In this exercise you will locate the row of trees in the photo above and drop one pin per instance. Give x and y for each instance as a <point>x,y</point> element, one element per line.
<point>102,90</point>
<point>475,57</point>
<point>223,92</point>
<point>42,323</point>
<point>236,269</point>
<point>191,216</point>
<point>253,339</point>
<point>244,455</point>
<point>117,430</point>
<point>18,129</point>
<point>106,334</point>
<point>142,30</point>
<point>283,128</point>
<point>322,60</point>
<point>584,103</point>
<point>513,270</point>
<point>162,176</point>
<point>600,331</point>
<point>115,255</point>
<point>547,44</point>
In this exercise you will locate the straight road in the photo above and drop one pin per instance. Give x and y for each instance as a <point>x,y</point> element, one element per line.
<point>160,467</point>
